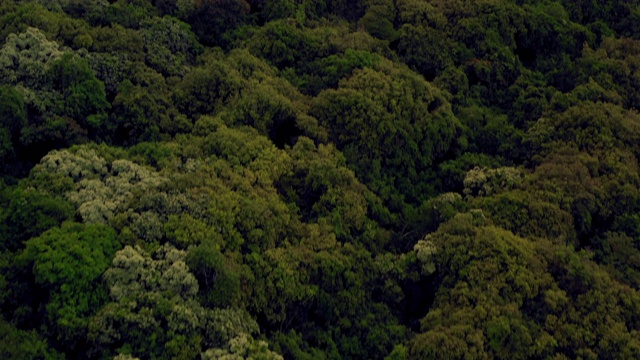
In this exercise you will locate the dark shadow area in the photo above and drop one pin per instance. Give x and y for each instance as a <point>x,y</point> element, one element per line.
<point>284,131</point>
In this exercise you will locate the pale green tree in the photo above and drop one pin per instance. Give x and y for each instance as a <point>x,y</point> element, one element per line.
<point>25,58</point>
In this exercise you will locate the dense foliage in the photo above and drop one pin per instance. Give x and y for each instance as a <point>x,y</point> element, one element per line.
<point>319,179</point>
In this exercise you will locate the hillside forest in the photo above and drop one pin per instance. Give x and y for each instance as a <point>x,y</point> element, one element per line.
<point>319,179</point>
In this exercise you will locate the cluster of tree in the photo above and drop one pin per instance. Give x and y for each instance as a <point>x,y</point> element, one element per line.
<point>319,179</point>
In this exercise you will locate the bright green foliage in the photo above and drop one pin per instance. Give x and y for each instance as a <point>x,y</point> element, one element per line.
<point>242,217</point>
<point>66,263</point>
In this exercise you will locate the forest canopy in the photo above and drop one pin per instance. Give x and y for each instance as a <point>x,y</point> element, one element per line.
<point>319,179</point>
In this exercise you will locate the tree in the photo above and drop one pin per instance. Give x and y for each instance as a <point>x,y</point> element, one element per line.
<point>50,19</point>
<point>27,213</point>
<point>13,118</point>
<point>64,101</point>
<point>379,19</point>
<point>393,135</point>
<point>137,115</point>
<point>101,189</point>
<point>23,345</point>
<point>243,347</point>
<point>170,45</point>
<point>422,49</point>
<point>218,276</point>
<point>66,263</point>
<point>285,45</point>
<point>211,20</point>
<point>154,313</point>
<point>85,98</point>
<point>25,58</point>
<point>162,291</point>
<point>206,89</point>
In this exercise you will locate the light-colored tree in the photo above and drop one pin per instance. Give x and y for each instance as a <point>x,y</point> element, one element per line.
<point>155,296</point>
<point>25,58</point>
<point>81,163</point>
<point>425,252</point>
<point>242,347</point>
<point>125,357</point>
<point>486,182</point>
<point>103,188</point>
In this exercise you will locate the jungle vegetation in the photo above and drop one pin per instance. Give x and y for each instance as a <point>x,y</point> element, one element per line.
<point>319,179</point>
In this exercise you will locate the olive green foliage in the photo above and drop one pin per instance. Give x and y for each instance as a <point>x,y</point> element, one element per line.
<point>20,344</point>
<point>319,179</point>
<point>170,45</point>
<point>392,126</point>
